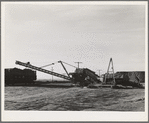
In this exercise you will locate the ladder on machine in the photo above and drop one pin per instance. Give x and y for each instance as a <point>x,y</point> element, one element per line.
<point>108,71</point>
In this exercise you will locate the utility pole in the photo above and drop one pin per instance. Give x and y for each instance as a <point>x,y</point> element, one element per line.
<point>52,75</point>
<point>78,63</point>
<point>99,72</point>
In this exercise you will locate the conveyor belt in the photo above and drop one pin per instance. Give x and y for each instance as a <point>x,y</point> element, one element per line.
<point>42,70</point>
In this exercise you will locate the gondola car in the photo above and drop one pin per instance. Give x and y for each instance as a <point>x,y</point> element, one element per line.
<point>16,76</point>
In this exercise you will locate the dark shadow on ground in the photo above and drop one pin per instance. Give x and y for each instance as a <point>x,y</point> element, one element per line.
<point>47,85</point>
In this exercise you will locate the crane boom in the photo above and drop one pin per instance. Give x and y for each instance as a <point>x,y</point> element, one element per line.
<point>42,70</point>
<point>64,67</point>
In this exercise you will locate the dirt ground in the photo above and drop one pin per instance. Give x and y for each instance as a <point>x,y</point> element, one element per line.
<point>67,98</point>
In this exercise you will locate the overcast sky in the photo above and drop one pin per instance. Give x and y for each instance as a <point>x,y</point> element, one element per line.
<point>89,33</point>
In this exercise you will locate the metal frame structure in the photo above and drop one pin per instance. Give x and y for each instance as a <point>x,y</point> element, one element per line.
<point>108,71</point>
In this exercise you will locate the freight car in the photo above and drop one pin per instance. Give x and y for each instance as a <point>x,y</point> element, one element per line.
<point>15,76</point>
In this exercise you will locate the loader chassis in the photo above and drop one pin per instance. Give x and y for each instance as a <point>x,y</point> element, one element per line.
<point>84,77</point>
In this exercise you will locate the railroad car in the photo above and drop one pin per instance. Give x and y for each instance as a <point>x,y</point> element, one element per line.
<point>16,75</point>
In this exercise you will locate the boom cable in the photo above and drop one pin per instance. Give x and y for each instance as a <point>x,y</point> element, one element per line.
<point>69,64</point>
<point>48,65</point>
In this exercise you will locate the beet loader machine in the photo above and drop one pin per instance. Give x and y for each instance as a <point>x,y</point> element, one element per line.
<point>84,77</point>
<point>81,76</point>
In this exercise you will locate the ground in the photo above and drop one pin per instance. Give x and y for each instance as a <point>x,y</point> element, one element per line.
<point>67,98</point>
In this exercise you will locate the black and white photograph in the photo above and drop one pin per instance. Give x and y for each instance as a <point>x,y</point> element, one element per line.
<point>74,61</point>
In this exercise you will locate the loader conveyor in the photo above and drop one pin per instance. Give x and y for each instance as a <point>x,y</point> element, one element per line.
<point>43,70</point>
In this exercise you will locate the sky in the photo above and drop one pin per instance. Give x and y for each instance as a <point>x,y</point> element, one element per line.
<point>89,33</point>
